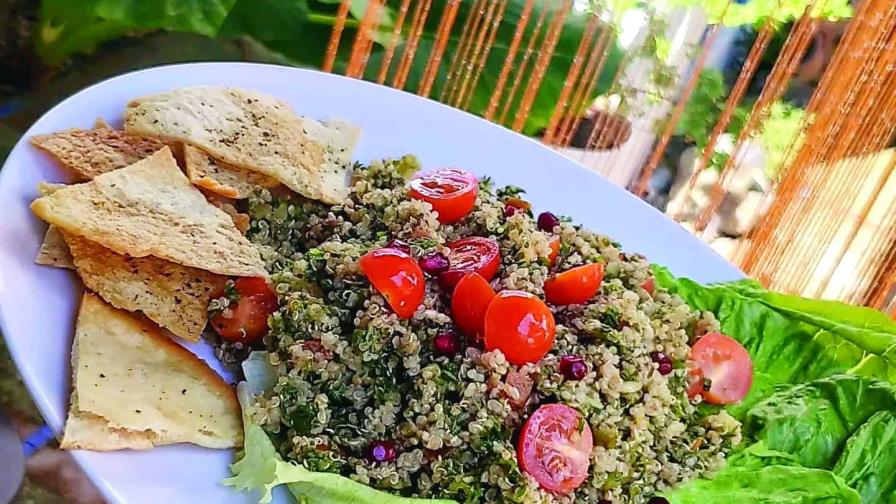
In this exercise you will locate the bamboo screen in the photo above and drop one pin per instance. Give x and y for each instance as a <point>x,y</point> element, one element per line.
<point>827,227</point>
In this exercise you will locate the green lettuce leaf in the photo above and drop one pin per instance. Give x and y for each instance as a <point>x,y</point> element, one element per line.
<point>767,484</point>
<point>868,462</point>
<point>813,421</point>
<point>260,468</point>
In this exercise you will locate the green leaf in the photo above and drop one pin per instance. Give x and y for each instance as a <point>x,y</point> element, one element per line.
<point>868,463</point>
<point>280,25</point>
<point>774,484</point>
<point>68,27</point>
<point>813,421</point>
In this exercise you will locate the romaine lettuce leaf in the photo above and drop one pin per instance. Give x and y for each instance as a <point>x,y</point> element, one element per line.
<point>868,462</point>
<point>775,484</point>
<point>813,421</point>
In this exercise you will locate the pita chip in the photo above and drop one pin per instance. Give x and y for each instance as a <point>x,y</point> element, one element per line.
<point>135,388</point>
<point>252,131</point>
<point>88,153</point>
<point>54,251</point>
<point>174,296</point>
<point>150,208</point>
<point>221,178</point>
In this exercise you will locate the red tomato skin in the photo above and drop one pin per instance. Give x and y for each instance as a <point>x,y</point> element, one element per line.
<point>471,254</point>
<point>396,276</point>
<point>727,364</point>
<point>470,300</point>
<point>574,286</point>
<point>451,192</point>
<point>551,423</point>
<point>247,322</point>
<point>520,325</point>
<point>649,285</point>
<point>555,250</point>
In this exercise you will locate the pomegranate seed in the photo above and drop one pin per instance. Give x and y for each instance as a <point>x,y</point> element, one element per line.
<point>435,263</point>
<point>547,222</point>
<point>665,363</point>
<point>573,367</point>
<point>510,210</point>
<point>446,343</point>
<point>381,451</point>
<point>400,245</point>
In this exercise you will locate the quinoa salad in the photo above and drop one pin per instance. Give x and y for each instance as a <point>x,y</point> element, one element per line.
<point>438,337</point>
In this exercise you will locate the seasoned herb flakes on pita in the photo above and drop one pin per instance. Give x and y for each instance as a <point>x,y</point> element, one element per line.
<point>54,251</point>
<point>88,153</point>
<point>150,208</point>
<point>252,131</point>
<point>174,296</point>
<point>136,388</point>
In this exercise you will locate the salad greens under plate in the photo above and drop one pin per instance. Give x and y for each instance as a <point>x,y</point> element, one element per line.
<point>819,422</point>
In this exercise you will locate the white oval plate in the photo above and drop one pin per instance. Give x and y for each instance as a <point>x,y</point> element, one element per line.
<point>38,303</point>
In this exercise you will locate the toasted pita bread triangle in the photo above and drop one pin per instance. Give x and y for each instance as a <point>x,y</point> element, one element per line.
<point>150,208</point>
<point>54,251</point>
<point>88,153</point>
<point>136,388</point>
<point>221,178</point>
<point>252,131</point>
<point>174,296</point>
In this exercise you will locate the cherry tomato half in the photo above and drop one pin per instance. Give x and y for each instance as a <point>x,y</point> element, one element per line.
<point>451,192</point>
<point>727,365</point>
<point>574,286</point>
<point>555,250</point>
<point>470,300</point>
<point>246,319</point>
<point>520,325</point>
<point>555,448</point>
<point>396,276</point>
<point>471,254</point>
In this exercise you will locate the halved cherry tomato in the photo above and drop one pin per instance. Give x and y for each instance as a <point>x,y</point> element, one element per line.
<point>469,302</point>
<point>555,448</point>
<point>246,319</point>
<point>727,365</point>
<point>520,325</point>
<point>555,250</point>
<point>451,192</point>
<point>574,286</point>
<point>471,254</point>
<point>398,277</point>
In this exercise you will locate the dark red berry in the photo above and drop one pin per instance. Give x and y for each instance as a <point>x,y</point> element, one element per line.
<point>547,222</point>
<point>400,245</point>
<point>573,367</point>
<point>510,210</point>
<point>658,500</point>
<point>381,451</point>
<point>446,343</point>
<point>435,263</point>
<point>605,501</point>
<point>663,361</point>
